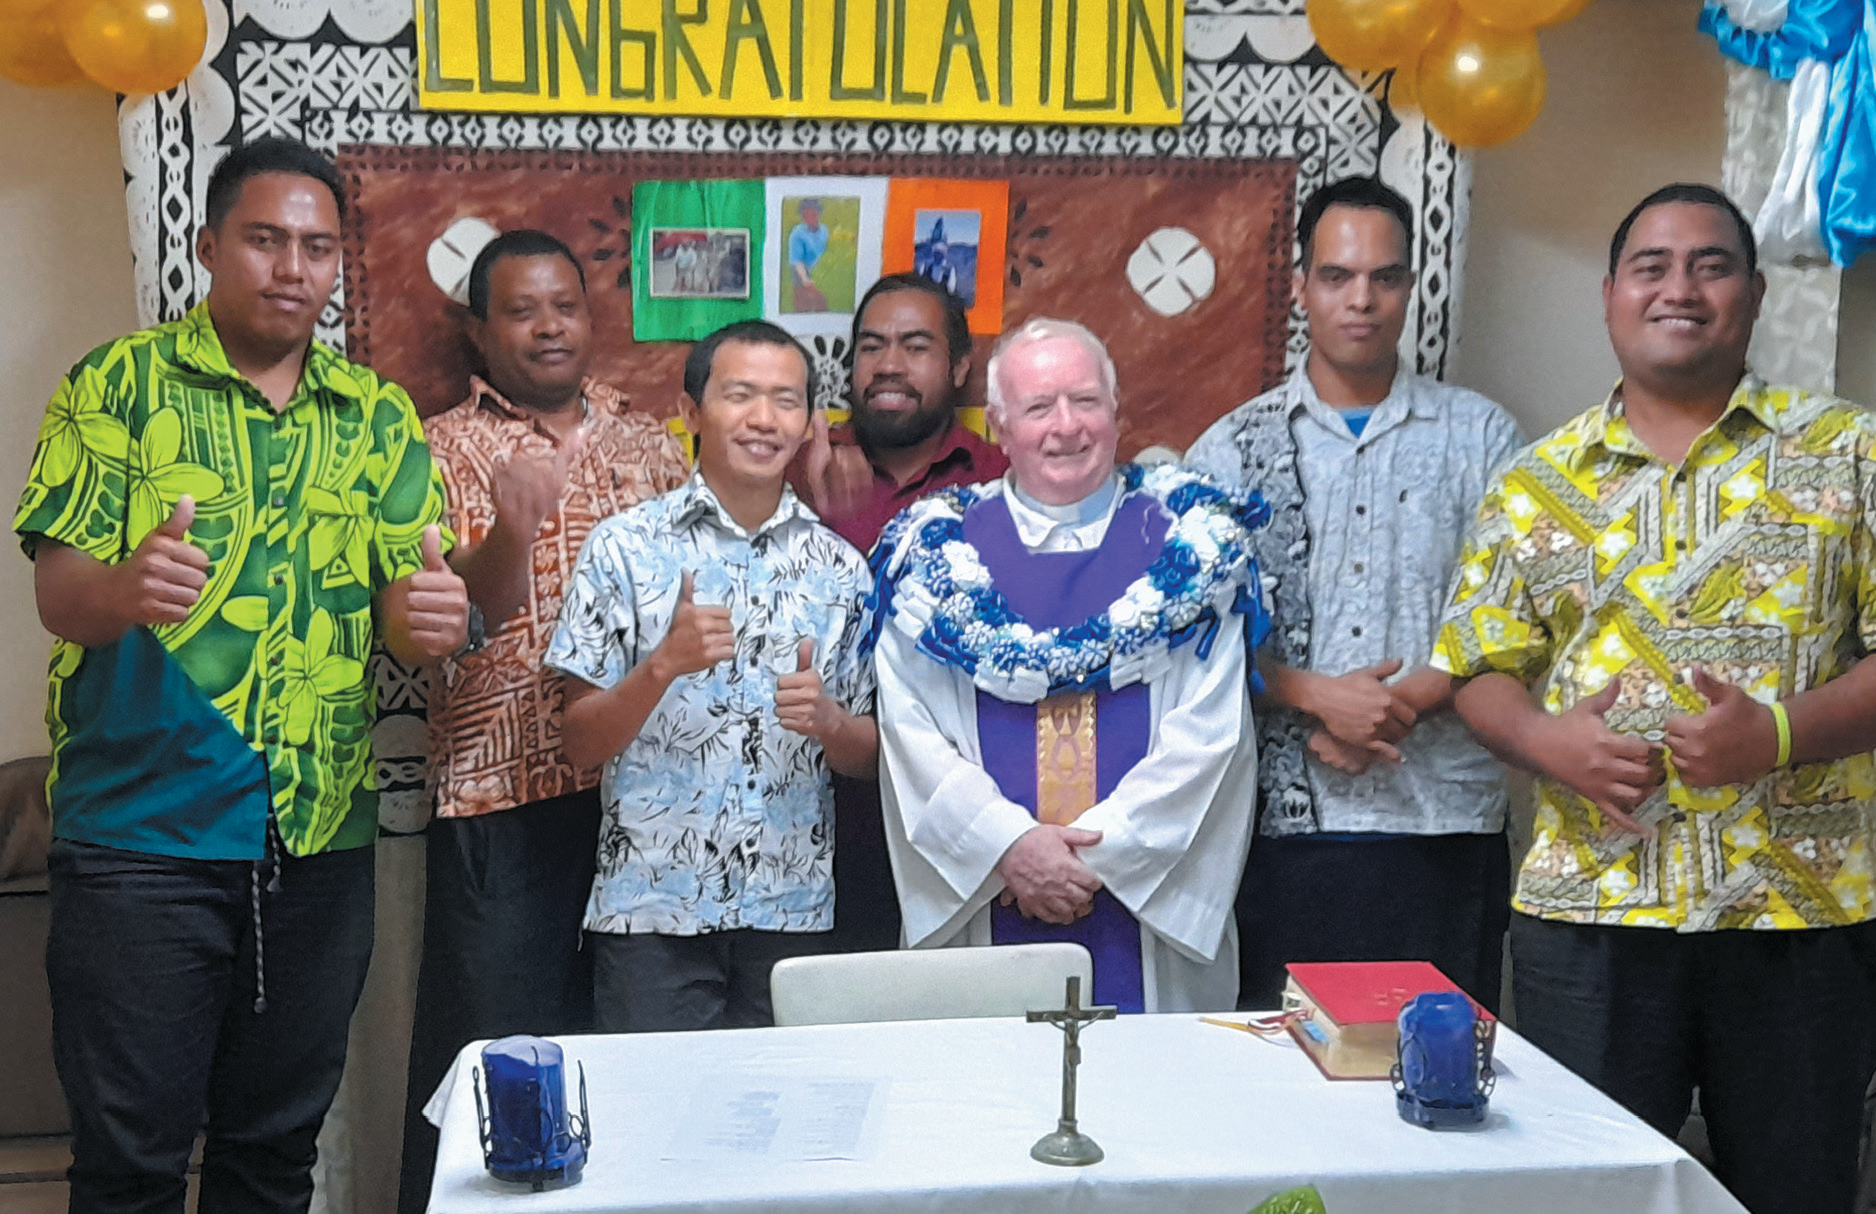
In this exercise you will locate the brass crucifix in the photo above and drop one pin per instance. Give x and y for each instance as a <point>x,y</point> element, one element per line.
<point>1068,1147</point>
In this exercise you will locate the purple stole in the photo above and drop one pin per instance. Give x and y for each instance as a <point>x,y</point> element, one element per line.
<point>1059,590</point>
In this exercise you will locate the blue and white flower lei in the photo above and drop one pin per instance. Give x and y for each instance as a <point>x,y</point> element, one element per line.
<point>932,586</point>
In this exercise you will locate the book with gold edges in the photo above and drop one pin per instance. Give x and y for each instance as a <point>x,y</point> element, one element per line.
<point>1345,1014</point>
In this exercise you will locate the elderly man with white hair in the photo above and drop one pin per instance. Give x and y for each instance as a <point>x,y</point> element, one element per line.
<point>1065,732</point>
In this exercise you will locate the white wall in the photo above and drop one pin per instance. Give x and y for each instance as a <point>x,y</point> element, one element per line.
<point>1637,100</point>
<point>1856,352</point>
<point>65,287</point>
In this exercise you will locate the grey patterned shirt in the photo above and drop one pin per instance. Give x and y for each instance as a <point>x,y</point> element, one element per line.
<point>715,816</point>
<point>1386,514</point>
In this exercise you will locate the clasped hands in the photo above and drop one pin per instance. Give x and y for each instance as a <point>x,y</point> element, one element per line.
<point>1043,873</point>
<point>1734,741</point>
<point>1362,716</point>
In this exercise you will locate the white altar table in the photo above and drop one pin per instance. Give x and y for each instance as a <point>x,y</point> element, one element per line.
<point>1193,1118</point>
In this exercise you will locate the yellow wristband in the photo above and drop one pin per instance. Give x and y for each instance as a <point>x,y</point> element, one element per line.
<point>1782,721</point>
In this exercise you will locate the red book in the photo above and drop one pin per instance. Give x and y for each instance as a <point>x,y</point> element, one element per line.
<point>1347,1012</point>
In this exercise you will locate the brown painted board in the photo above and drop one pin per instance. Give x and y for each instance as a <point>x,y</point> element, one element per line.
<point>1074,223</point>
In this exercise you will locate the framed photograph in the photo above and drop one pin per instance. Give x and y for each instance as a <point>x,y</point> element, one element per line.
<point>955,233</point>
<point>699,263</point>
<point>824,240</point>
<point>944,249</point>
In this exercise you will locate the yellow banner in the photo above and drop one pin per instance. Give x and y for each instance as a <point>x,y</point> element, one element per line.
<point>1106,61</point>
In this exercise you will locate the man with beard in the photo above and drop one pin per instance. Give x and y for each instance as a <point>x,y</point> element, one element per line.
<point>911,359</point>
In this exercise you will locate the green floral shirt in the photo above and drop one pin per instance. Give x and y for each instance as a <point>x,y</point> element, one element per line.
<point>305,516</point>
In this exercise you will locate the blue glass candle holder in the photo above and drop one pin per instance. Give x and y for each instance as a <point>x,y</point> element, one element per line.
<point>1443,1073</point>
<point>528,1135</point>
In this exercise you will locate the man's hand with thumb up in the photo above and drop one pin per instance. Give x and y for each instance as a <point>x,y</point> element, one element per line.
<point>1615,771</point>
<point>1735,741</point>
<point>801,701</point>
<point>164,577</point>
<point>427,613</point>
<point>803,706</point>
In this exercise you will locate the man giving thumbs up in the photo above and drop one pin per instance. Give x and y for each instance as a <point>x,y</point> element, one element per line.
<point>224,516</point>
<point>710,643</point>
<point>533,458</point>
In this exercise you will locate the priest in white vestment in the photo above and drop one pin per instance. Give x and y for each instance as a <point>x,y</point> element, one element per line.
<point>1066,747</point>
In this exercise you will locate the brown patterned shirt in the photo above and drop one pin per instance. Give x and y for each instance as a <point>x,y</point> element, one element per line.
<point>495,714</point>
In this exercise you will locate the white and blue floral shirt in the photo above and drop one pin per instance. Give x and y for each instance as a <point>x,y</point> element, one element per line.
<point>716,817</point>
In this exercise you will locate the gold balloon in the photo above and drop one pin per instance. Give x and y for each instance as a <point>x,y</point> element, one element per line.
<point>1481,85</point>
<point>135,46</point>
<point>1518,14</point>
<point>32,50</point>
<point>1373,35</point>
<point>1403,91</point>
<point>13,10</point>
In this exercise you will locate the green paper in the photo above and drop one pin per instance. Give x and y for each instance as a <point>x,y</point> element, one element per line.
<point>697,205</point>
<point>1293,1201</point>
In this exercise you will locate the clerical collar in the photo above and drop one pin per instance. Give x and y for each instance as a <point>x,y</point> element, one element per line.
<point>1077,527</point>
<point>1075,514</point>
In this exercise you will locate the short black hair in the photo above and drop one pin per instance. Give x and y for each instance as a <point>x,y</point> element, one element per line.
<point>1364,192</point>
<point>1699,195</point>
<point>522,242</point>
<point>270,154</point>
<point>957,324</point>
<point>698,362</point>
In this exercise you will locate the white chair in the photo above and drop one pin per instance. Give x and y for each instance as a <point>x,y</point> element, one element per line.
<point>927,983</point>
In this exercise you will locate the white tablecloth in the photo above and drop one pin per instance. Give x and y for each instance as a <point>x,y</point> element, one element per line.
<point>1194,1118</point>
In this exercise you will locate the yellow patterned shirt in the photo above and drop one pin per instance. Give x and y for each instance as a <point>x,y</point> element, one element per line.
<point>182,739</point>
<point>1593,559</point>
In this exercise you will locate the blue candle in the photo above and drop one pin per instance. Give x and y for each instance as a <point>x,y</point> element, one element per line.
<point>528,1136</point>
<point>1438,1081</point>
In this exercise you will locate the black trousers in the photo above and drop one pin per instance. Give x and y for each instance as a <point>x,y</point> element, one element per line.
<point>1438,898</point>
<point>504,896</point>
<point>1776,1028</point>
<point>661,984</point>
<point>866,902</point>
<point>153,965</point>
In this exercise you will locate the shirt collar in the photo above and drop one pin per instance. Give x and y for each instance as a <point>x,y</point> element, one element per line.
<point>697,501</point>
<point>199,346</point>
<point>1606,427</point>
<point>1036,522</point>
<point>484,395</point>
<point>1403,400</point>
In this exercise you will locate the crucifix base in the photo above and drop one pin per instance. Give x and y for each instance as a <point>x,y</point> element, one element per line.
<point>1066,1148</point>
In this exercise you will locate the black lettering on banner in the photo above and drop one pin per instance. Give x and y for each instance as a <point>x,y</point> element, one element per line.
<point>1048,50</point>
<point>561,25</point>
<point>530,81</point>
<point>741,29</point>
<point>1106,100</point>
<point>960,31</point>
<point>1158,54</point>
<point>900,96</point>
<point>794,50</point>
<point>838,89</point>
<point>433,78</point>
<point>677,42</point>
<point>648,41</point>
<point>1004,22</point>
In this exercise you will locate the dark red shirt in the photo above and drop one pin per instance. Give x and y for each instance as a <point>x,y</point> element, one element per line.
<point>963,459</point>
